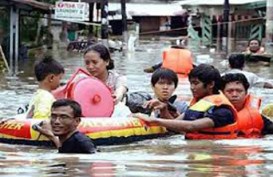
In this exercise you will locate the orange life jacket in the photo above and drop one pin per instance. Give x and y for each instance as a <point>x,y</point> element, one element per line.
<point>178,60</point>
<point>250,122</point>
<point>260,51</point>
<point>227,132</point>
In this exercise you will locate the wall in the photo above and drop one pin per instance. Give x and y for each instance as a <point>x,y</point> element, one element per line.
<point>148,24</point>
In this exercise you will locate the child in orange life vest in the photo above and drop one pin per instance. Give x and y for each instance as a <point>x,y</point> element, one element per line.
<point>210,113</point>
<point>250,122</point>
<point>48,73</point>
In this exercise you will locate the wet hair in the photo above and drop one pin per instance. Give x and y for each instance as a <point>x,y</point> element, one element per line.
<point>207,74</point>
<point>104,53</point>
<point>234,77</point>
<point>254,39</point>
<point>236,61</point>
<point>47,66</point>
<point>166,74</point>
<point>76,107</point>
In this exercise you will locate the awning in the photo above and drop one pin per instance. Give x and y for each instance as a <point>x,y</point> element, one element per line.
<point>28,4</point>
<point>217,2</point>
<point>133,9</point>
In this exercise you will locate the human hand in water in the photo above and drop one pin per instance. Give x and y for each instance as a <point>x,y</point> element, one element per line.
<point>44,128</point>
<point>144,117</point>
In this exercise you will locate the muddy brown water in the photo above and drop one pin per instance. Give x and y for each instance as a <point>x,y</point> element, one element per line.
<point>170,156</point>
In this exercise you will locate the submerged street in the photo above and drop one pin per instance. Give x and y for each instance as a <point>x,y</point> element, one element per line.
<point>169,156</point>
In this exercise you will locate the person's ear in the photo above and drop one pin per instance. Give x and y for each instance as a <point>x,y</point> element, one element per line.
<point>78,120</point>
<point>211,84</point>
<point>51,77</point>
<point>107,63</point>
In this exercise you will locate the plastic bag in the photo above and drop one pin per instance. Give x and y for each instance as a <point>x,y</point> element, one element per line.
<point>121,111</point>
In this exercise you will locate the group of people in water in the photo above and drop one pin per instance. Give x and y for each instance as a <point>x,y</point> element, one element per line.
<point>65,113</point>
<point>221,107</point>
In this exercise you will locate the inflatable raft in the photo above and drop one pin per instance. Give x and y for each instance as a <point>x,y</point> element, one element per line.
<point>103,131</point>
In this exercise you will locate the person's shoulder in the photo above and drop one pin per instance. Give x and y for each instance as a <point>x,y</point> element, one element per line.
<point>113,72</point>
<point>42,96</point>
<point>233,70</point>
<point>44,92</point>
<point>115,76</point>
<point>80,137</point>
<point>223,109</point>
<point>180,103</point>
<point>262,50</point>
<point>84,142</point>
<point>249,75</point>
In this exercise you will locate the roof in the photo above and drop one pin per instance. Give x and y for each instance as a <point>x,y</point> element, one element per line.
<point>218,2</point>
<point>134,9</point>
<point>28,4</point>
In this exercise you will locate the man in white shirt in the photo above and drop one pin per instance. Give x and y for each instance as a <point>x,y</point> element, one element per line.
<point>236,64</point>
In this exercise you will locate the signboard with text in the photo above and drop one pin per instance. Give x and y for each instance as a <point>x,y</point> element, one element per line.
<point>72,11</point>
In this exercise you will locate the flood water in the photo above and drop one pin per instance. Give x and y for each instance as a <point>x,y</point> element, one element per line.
<point>170,156</point>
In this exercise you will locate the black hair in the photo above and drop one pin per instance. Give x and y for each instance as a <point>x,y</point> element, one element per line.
<point>254,39</point>
<point>236,61</point>
<point>234,77</point>
<point>47,66</point>
<point>76,107</point>
<point>104,53</point>
<point>166,74</point>
<point>207,74</point>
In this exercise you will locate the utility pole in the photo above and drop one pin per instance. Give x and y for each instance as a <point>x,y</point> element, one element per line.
<point>90,28</point>
<point>104,22</point>
<point>269,26</point>
<point>124,23</point>
<point>225,26</point>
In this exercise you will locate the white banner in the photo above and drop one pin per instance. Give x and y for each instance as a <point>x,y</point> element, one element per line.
<point>72,11</point>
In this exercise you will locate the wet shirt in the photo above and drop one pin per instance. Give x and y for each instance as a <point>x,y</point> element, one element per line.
<point>40,104</point>
<point>78,143</point>
<point>115,80</point>
<point>221,116</point>
<point>181,106</point>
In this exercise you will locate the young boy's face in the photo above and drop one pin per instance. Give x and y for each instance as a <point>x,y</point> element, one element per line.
<point>55,80</point>
<point>198,89</point>
<point>163,89</point>
<point>236,93</point>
